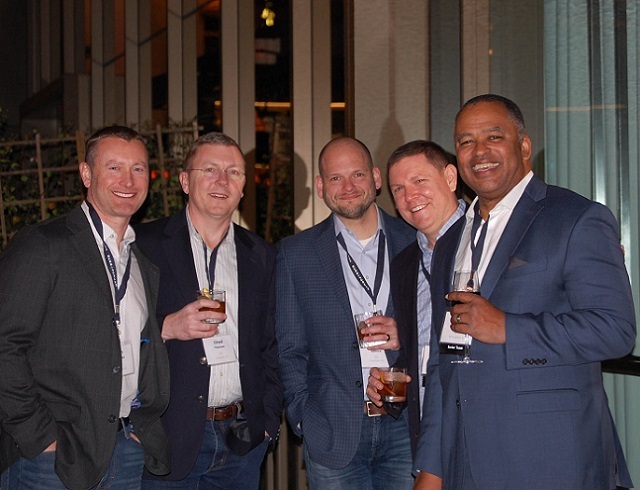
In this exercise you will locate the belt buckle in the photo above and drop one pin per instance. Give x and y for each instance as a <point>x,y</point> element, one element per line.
<point>369,414</point>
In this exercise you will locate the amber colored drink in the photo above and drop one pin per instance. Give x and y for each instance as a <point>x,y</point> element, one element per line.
<point>394,382</point>
<point>216,295</point>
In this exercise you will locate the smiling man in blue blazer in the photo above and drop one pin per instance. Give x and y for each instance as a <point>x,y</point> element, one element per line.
<point>326,275</point>
<point>555,302</point>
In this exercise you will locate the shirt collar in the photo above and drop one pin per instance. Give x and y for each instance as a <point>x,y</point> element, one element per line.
<point>339,226</point>
<point>193,233</point>
<point>423,241</point>
<point>109,233</point>
<point>510,200</point>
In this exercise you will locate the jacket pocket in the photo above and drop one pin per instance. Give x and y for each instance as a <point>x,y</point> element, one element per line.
<point>548,401</point>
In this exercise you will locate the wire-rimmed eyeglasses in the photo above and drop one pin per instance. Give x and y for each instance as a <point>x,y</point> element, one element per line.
<point>232,173</point>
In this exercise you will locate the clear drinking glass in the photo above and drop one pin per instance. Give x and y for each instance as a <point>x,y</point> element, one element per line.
<point>468,282</point>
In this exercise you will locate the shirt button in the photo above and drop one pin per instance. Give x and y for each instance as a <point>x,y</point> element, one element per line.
<point>359,384</point>
<point>458,403</point>
<point>203,360</point>
<point>112,418</point>
<point>354,345</point>
<point>116,370</point>
<point>200,398</point>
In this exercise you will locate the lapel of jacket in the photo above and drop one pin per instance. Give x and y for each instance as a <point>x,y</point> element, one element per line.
<point>406,274</point>
<point>249,277</point>
<point>327,250</point>
<point>395,238</point>
<point>87,250</point>
<point>442,264</point>
<point>177,249</point>
<point>523,215</point>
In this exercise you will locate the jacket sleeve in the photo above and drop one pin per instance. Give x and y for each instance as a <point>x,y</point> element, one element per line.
<point>273,389</point>
<point>292,343</point>
<point>598,320</point>
<point>26,281</point>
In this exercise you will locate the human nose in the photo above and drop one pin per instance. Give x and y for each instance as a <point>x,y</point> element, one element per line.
<point>221,176</point>
<point>480,148</point>
<point>349,184</point>
<point>411,192</point>
<point>128,178</point>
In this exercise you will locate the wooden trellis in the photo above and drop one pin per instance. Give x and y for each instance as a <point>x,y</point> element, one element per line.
<point>34,165</point>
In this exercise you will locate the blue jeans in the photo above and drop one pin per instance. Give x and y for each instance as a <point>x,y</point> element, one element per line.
<point>217,467</point>
<point>382,460</point>
<point>124,473</point>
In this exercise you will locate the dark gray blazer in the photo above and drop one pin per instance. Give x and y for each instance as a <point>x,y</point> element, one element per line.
<point>60,360</point>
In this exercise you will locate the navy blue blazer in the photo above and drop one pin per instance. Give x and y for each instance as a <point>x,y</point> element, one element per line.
<point>535,414</point>
<point>319,354</point>
<point>166,242</point>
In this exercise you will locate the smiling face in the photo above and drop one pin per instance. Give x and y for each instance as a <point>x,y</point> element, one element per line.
<point>348,181</point>
<point>492,156</point>
<point>213,194</point>
<point>424,193</point>
<point>117,181</point>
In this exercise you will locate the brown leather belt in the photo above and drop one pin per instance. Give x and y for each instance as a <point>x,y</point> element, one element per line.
<point>372,411</point>
<point>224,413</point>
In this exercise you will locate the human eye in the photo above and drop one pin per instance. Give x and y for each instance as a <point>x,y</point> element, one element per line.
<point>234,173</point>
<point>396,189</point>
<point>464,141</point>
<point>209,170</point>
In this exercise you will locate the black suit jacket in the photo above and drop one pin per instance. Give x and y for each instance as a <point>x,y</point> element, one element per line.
<point>404,286</point>
<point>60,374</point>
<point>166,241</point>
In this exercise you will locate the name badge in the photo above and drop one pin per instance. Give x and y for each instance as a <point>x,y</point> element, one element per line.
<point>450,341</point>
<point>373,358</point>
<point>219,349</point>
<point>424,359</point>
<point>127,358</point>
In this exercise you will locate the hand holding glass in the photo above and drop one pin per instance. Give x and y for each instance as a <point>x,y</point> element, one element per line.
<point>468,282</point>
<point>218,295</point>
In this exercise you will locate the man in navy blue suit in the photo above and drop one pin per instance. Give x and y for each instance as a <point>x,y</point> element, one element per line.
<point>325,276</point>
<point>555,301</point>
<point>226,397</point>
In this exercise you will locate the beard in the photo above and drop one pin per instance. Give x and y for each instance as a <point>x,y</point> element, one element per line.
<point>353,211</point>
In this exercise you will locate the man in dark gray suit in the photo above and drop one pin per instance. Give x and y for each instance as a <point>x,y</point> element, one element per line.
<point>325,275</point>
<point>84,375</point>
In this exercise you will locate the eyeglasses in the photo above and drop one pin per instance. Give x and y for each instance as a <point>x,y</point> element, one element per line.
<point>232,173</point>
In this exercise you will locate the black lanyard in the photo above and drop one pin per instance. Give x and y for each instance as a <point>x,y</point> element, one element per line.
<point>476,249</point>
<point>210,265</point>
<point>427,276</point>
<point>358,274</point>
<point>111,265</point>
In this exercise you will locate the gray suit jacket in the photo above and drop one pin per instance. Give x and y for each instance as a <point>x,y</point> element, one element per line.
<point>534,414</point>
<point>60,360</point>
<point>319,354</point>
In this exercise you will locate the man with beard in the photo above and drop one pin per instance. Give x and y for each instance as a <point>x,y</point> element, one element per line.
<point>326,275</point>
